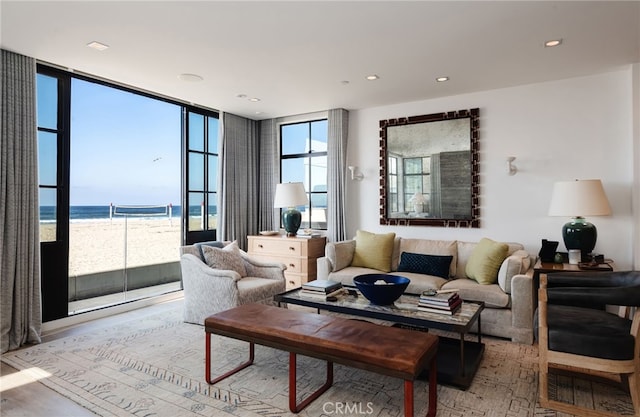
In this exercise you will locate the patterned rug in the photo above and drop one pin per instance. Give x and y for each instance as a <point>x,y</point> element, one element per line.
<point>154,366</point>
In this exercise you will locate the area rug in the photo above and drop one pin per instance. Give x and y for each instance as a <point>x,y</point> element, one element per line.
<point>154,366</point>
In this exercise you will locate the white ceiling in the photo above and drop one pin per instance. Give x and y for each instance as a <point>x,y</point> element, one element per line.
<point>296,56</point>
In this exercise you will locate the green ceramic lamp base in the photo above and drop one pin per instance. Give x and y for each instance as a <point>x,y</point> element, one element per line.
<point>291,219</point>
<point>580,234</point>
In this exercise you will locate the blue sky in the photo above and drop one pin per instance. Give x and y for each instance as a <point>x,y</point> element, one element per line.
<point>125,148</point>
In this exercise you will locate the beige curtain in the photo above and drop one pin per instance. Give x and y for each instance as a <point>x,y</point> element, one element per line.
<point>21,316</point>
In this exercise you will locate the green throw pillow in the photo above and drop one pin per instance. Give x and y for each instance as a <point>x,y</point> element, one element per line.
<point>485,260</point>
<point>373,250</point>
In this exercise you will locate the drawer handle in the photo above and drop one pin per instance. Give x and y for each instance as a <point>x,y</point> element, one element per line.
<point>292,265</point>
<point>260,246</point>
<point>292,248</point>
<point>292,282</point>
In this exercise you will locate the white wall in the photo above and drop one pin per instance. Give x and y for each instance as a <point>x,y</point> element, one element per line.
<point>576,128</point>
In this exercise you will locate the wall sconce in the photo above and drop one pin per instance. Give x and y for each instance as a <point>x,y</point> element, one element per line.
<point>511,169</point>
<point>355,175</point>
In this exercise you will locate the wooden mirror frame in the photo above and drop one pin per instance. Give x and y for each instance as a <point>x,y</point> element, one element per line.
<point>473,221</point>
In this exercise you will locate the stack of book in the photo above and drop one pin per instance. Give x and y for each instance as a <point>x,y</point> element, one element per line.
<point>321,288</point>
<point>442,303</point>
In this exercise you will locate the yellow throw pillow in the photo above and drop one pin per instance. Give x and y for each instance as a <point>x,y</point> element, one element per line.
<point>485,261</point>
<point>373,250</point>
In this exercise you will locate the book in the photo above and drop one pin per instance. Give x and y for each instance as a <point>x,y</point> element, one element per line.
<point>440,310</point>
<point>321,285</point>
<point>453,306</point>
<point>321,295</point>
<point>444,299</point>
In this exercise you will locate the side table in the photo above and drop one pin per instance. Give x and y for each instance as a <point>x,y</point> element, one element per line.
<point>550,267</point>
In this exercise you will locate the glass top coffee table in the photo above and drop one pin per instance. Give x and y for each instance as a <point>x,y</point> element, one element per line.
<point>458,359</point>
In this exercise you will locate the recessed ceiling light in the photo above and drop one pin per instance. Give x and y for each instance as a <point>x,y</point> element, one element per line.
<point>372,77</point>
<point>241,96</point>
<point>190,78</point>
<point>552,43</point>
<point>97,46</point>
<point>442,79</point>
<point>254,99</point>
<point>344,82</point>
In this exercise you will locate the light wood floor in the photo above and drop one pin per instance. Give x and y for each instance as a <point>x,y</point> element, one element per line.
<point>22,396</point>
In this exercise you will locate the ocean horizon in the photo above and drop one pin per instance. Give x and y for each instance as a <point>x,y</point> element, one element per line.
<point>48,213</point>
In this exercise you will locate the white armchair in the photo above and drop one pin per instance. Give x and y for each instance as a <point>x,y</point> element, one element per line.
<point>208,290</point>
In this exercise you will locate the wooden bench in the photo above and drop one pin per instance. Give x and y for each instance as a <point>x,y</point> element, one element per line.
<point>389,351</point>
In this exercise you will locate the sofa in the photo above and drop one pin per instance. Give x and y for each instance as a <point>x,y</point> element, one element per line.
<point>509,302</point>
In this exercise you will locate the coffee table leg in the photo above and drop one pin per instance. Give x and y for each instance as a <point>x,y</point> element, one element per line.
<point>462,354</point>
<point>408,398</point>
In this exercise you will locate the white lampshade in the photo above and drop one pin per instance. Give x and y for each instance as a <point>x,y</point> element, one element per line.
<point>579,198</point>
<point>290,194</point>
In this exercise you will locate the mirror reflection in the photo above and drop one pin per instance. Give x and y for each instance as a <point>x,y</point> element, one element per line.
<point>430,169</point>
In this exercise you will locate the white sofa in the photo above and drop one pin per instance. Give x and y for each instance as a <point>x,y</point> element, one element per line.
<point>508,304</point>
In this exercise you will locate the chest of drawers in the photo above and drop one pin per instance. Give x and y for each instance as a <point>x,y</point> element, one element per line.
<point>298,254</point>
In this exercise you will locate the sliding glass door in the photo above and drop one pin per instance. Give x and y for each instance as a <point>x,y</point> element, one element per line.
<point>111,164</point>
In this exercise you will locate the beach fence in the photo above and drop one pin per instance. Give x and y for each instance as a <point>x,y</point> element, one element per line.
<point>129,278</point>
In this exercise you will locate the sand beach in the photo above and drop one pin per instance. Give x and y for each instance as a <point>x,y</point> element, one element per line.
<point>99,245</point>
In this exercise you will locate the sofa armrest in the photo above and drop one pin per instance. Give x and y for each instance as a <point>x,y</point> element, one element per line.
<point>324,268</point>
<point>262,269</point>
<point>522,303</point>
<point>340,254</point>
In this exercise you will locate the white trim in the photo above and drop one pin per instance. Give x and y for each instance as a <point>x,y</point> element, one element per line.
<point>55,326</point>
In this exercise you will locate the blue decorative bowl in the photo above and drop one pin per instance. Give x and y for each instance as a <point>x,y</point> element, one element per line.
<point>381,294</point>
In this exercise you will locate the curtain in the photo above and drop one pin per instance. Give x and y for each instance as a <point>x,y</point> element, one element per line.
<point>338,126</point>
<point>21,317</point>
<point>239,200</point>
<point>269,175</point>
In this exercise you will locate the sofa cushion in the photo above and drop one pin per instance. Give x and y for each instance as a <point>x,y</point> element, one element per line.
<point>437,265</point>
<point>517,263</point>
<point>433,247</point>
<point>373,250</point>
<point>471,290</point>
<point>485,261</point>
<point>226,258</point>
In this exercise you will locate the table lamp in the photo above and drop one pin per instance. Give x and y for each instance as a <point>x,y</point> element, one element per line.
<point>289,195</point>
<point>577,199</point>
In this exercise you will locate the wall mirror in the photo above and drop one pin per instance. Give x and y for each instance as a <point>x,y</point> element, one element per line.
<point>429,170</point>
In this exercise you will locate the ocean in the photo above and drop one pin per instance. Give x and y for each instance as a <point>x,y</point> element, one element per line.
<point>78,213</point>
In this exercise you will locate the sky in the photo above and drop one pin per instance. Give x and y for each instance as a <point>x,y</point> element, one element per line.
<point>125,148</point>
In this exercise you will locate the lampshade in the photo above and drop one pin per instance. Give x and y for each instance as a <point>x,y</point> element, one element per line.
<point>579,198</point>
<point>290,194</point>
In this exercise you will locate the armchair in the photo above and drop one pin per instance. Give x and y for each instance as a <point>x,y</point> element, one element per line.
<point>208,290</point>
<point>576,330</point>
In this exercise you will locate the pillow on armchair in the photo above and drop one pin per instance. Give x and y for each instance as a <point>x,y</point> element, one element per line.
<point>226,258</point>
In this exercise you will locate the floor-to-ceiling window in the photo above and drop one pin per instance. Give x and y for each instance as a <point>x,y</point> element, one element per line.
<point>111,191</point>
<point>303,158</point>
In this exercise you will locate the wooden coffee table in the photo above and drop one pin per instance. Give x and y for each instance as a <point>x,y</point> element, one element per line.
<point>458,359</point>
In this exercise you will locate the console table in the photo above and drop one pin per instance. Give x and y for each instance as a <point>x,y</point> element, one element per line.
<point>298,254</point>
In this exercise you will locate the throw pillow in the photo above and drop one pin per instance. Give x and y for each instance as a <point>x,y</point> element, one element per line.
<point>436,265</point>
<point>485,261</point>
<point>213,243</point>
<point>227,258</point>
<point>516,263</point>
<point>373,250</point>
